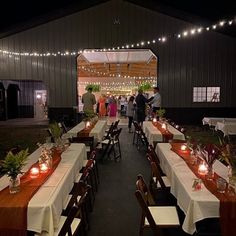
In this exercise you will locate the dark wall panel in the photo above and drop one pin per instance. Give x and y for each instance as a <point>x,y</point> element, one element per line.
<point>204,60</point>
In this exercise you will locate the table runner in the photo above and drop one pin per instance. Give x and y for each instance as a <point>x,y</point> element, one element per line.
<point>86,131</point>
<point>166,134</point>
<point>227,200</point>
<point>13,207</point>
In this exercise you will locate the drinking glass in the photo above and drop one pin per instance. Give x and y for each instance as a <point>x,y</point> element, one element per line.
<point>221,185</point>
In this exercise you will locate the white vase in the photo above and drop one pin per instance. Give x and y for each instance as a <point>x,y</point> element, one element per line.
<point>14,185</point>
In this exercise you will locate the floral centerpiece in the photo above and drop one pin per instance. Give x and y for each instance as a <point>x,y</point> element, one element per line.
<point>228,156</point>
<point>12,166</point>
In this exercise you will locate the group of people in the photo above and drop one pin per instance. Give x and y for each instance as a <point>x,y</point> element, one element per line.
<point>106,105</point>
<point>140,106</point>
<point>136,106</point>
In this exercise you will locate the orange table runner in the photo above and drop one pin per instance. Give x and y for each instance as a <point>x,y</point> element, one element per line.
<point>86,131</point>
<point>166,134</point>
<point>13,207</point>
<point>227,199</point>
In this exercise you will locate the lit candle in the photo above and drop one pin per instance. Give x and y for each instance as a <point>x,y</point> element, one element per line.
<point>34,172</point>
<point>202,169</point>
<point>87,124</point>
<point>43,168</point>
<point>163,126</point>
<point>183,147</point>
<point>154,119</point>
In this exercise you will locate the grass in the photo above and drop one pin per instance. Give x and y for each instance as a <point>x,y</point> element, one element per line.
<point>203,135</point>
<point>22,137</point>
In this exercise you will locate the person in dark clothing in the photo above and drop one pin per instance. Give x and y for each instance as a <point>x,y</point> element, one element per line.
<point>140,107</point>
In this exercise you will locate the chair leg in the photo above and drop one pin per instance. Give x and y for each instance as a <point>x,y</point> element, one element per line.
<point>134,137</point>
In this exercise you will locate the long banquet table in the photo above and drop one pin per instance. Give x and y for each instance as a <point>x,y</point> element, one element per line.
<point>196,205</point>
<point>228,128</point>
<point>45,207</point>
<point>98,130</point>
<point>211,121</point>
<point>154,135</point>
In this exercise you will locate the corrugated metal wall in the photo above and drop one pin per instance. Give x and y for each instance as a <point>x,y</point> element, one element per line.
<point>203,60</point>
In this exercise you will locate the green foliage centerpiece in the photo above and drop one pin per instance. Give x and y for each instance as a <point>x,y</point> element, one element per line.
<point>12,166</point>
<point>55,130</point>
<point>160,113</point>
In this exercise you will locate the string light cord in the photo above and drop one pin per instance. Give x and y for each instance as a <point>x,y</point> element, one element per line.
<point>161,40</point>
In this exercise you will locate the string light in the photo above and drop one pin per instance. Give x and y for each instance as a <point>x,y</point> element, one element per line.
<point>162,39</point>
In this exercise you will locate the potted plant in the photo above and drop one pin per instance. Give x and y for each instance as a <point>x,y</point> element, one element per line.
<point>160,113</point>
<point>12,166</point>
<point>56,132</point>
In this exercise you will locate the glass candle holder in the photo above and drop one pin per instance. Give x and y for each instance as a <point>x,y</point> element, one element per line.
<point>43,167</point>
<point>34,173</point>
<point>202,169</point>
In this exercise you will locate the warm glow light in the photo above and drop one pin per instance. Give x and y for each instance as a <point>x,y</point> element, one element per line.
<point>202,169</point>
<point>193,31</point>
<point>163,126</point>
<point>185,33</point>
<point>43,168</point>
<point>199,30</point>
<point>207,28</point>
<point>87,124</point>
<point>34,172</point>
<point>222,23</point>
<point>179,35</point>
<point>214,26</point>
<point>230,22</point>
<point>183,147</point>
<point>154,120</point>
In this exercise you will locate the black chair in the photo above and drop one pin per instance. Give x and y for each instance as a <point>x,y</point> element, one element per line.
<point>112,144</point>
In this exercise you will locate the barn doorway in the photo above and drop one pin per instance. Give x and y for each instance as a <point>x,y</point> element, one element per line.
<point>12,101</point>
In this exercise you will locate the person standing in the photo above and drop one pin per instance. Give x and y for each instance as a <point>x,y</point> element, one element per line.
<point>112,107</point>
<point>140,107</point>
<point>130,112</point>
<point>89,100</point>
<point>156,100</point>
<point>102,106</point>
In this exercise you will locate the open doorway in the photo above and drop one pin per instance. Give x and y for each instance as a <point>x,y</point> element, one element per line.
<point>117,73</point>
<point>40,104</point>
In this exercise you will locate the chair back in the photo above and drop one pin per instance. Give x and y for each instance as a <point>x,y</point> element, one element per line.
<point>137,126</point>
<point>153,154</point>
<point>145,211</point>
<point>156,172</point>
<point>142,186</point>
<point>116,125</point>
<point>66,228</point>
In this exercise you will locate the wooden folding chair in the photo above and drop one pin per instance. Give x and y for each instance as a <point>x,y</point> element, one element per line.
<point>156,217</point>
<point>142,186</point>
<point>152,153</point>
<point>157,180</point>
<point>112,144</point>
<point>70,225</point>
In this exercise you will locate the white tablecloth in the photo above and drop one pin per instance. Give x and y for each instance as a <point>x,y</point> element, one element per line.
<point>45,207</point>
<point>228,128</point>
<point>213,120</point>
<point>98,130</point>
<point>196,205</point>
<point>154,135</point>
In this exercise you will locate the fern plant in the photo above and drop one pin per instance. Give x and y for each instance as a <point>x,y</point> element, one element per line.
<point>56,130</point>
<point>13,163</point>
